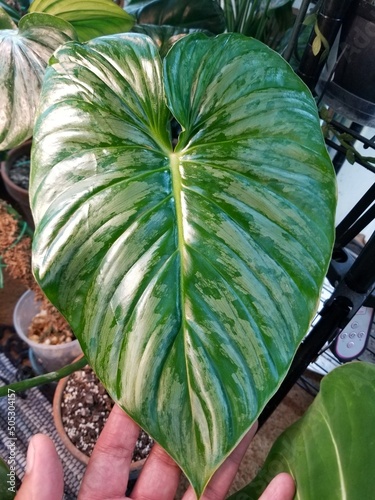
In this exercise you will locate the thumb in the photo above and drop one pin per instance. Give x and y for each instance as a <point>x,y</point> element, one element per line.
<point>44,475</point>
<point>282,487</point>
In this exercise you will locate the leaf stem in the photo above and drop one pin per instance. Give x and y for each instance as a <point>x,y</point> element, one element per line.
<point>46,378</point>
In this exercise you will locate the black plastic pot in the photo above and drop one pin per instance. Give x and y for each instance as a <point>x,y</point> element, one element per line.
<point>355,70</point>
<point>348,81</point>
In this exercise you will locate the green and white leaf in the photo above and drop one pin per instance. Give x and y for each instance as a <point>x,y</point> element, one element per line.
<point>89,18</point>
<point>330,451</point>
<point>242,15</point>
<point>24,54</point>
<point>190,274</point>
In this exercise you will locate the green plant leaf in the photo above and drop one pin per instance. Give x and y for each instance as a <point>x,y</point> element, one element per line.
<point>89,18</point>
<point>245,16</point>
<point>24,55</point>
<point>6,22</point>
<point>189,274</point>
<point>188,14</point>
<point>330,451</point>
<point>164,36</point>
<point>13,13</point>
<point>6,489</point>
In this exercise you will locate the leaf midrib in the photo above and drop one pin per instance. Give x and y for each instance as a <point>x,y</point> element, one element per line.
<point>177,193</point>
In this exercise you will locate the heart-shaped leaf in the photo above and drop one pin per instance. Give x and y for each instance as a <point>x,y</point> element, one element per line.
<point>330,451</point>
<point>24,53</point>
<point>189,274</point>
<point>89,18</point>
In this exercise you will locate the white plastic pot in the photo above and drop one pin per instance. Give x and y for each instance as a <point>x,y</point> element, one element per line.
<point>52,357</point>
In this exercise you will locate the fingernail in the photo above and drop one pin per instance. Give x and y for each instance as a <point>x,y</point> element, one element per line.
<point>30,457</point>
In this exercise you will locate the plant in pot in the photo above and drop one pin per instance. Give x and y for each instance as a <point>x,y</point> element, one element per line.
<point>199,264</point>
<point>36,320</point>
<point>81,407</point>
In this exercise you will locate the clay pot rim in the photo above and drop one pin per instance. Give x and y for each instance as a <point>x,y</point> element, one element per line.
<point>7,179</point>
<point>4,166</point>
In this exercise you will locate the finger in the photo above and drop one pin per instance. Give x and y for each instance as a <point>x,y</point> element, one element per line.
<point>44,479</point>
<point>221,481</point>
<point>281,487</point>
<point>107,473</point>
<point>159,477</point>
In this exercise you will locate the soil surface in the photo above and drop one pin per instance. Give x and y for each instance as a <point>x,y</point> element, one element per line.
<point>86,406</point>
<point>50,328</point>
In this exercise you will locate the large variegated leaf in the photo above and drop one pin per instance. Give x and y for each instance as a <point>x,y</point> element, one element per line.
<point>90,18</point>
<point>330,451</point>
<point>24,53</point>
<point>189,274</point>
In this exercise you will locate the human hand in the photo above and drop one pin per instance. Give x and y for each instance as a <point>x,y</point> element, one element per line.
<point>107,473</point>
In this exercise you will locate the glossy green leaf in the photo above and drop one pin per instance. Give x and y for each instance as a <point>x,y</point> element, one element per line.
<point>330,451</point>
<point>89,18</point>
<point>189,274</point>
<point>164,36</point>
<point>6,22</point>
<point>24,53</point>
<point>188,14</point>
<point>250,16</point>
<point>7,490</point>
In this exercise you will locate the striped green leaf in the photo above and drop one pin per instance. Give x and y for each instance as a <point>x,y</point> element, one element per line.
<point>190,273</point>
<point>24,54</point>
<point>89,18</point>
<point>330,451</point>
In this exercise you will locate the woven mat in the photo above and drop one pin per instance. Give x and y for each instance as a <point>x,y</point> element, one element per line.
<point>34,414</point>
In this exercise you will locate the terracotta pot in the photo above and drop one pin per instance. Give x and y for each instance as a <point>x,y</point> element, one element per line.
<point>17,193</point>
<point>135,467</point>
